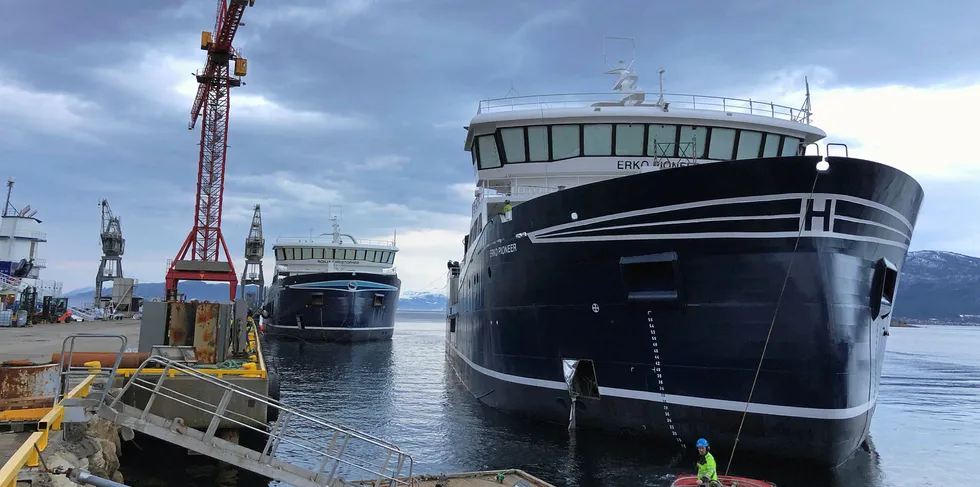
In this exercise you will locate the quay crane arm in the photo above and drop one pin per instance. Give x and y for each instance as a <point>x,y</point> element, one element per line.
<point>199,258</point>
<point>254,252</point>
<point>113,248</point>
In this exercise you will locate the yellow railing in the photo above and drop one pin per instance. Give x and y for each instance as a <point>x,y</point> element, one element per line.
<point>27,454</point>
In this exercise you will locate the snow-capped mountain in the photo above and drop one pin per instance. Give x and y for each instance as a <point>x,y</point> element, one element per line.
<point>421,300</point>
<point>408,300</point>
<point>938,284</point>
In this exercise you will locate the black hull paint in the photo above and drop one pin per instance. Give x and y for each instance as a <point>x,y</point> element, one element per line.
<point>668,282</point>
<point>333,307</point>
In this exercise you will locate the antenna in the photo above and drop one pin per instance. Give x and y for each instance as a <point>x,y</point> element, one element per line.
<point>626,80</point>
<point>10,187</point>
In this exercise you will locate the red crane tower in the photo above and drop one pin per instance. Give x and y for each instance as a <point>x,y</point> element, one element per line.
<point>198,258</point>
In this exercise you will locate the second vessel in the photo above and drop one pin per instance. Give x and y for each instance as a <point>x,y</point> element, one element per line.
<point>337,289</point>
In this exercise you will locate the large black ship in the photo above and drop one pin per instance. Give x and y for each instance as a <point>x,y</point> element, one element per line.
<point>333,290</point>
<point>628,260</point>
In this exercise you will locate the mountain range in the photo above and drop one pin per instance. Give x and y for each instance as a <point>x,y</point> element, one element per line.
<point>934,285</point>
<point>207,291</point>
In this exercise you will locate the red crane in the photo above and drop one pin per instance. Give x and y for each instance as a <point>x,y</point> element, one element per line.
<point>199,257</point>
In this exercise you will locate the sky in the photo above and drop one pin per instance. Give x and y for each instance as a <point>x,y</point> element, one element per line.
<point>362,103</point>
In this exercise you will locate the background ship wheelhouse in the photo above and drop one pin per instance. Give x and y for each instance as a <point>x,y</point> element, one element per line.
<point>652,247</point>
<point>333,289</point>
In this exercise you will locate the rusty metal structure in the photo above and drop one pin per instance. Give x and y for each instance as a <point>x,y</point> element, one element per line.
<point>26,385</point>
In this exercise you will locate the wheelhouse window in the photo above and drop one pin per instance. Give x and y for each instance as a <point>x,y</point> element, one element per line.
<point>281,254</point>
<point>486,146</point>
<point>791,146</point>
<point>749,144</point>
<point>307,253</point>
<point>371,256</point>
<point>771,147</point>
<point>514,144</point>
<point>598,139</point>
<point>629,139</point>
<point>544,143</point>
<point>693,140</point>
<point>565,141</point>
<point>722,144</point>
<point>318,253</point>
<point>537,143</point>
<point>661,141</point>
<point>360,255</point>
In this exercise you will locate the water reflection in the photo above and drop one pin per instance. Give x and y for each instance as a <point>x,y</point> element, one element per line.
<point>420,404</point>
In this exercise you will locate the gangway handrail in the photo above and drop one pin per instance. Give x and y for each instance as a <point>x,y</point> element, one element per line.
<point>276,436</point>
<point>66,370</point>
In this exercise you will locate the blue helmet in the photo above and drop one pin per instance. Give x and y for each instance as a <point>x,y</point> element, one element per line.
<point>702,442</point>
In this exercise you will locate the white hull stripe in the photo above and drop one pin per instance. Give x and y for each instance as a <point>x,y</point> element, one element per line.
<point>791,216</point>
<point>758,408</point>
<point>727,201</point>
<point>335,328</point>
<point>721,235</point>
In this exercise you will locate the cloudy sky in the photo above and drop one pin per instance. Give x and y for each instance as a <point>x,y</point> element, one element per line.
<point>362,102</point>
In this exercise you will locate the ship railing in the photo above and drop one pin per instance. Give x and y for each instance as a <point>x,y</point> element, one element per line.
<point>675,100</point>
<point>29,234</point>
<point>328,240</point>
<point>9,283</point>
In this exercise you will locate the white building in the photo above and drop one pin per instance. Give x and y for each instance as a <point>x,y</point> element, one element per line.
<point>20,240</point>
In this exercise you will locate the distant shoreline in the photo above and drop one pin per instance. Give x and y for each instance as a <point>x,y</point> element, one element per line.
<point>903,324</point>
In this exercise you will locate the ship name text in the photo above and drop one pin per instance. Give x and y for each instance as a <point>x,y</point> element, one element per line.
<point>504,249</point>
<point>635,165</point>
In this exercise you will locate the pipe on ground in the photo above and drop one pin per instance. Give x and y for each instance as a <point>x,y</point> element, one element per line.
<point>82,477</point>
<point>130,360</point>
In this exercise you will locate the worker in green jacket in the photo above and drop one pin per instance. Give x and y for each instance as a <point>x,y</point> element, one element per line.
<point>707,469</point>
<point>507,206</point>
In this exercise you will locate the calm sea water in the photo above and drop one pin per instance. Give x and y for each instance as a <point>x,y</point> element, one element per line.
<point>926,429</point>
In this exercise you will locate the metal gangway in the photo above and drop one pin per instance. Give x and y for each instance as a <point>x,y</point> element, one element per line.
<point>295,434</point>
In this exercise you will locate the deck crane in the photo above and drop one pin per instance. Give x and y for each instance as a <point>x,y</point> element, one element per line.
<point>199,257</point>
<point>254,251</point>
<point>113,247</point>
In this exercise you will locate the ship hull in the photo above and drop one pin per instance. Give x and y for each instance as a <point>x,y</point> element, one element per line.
<point>333,307</point>
<point>660,290</point>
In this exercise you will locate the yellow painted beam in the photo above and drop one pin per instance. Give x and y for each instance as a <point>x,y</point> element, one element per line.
<point>220,373</point>
<point>25,455</point>
<point>32,414</point>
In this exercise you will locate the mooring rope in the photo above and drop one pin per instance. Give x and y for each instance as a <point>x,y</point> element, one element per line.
<point>779,301</point>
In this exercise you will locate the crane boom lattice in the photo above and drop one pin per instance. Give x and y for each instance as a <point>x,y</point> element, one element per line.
<point>113,247</point>
<point>254,251</point>
<point>200,257</point>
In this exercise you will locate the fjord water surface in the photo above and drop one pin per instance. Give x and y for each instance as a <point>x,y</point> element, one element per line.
<point>926,429</point>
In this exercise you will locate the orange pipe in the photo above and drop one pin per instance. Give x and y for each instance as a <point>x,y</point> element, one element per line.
<point>130,360</point>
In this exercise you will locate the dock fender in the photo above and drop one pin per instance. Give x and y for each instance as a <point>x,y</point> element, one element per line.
<point>272,413</point>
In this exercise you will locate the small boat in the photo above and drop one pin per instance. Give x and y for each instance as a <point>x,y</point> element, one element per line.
<point>726,480</point>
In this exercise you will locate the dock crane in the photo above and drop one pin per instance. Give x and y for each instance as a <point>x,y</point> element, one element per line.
<point>113,247</point>
<point>254,251</point>
<point>199,257</point>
